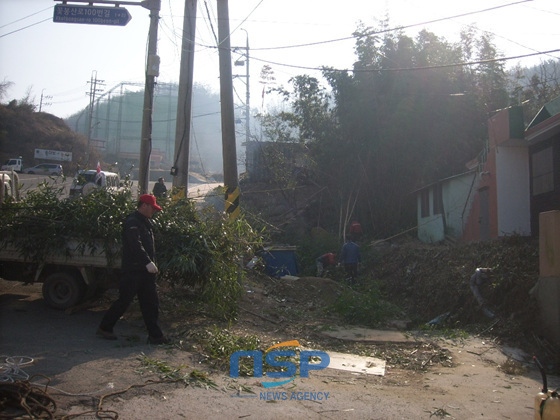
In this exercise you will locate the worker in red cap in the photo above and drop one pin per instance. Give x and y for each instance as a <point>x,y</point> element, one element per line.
<point>324,262</point>
<point>139,273</point>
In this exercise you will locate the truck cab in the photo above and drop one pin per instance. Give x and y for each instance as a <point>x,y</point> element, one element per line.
<point>13,164</point>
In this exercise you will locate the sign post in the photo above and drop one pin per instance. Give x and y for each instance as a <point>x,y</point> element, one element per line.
<point>91,15</point>
<point>116,15</point>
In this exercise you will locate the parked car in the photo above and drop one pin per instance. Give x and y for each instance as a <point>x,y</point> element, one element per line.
<point>87,180</point>
<point>45,169</point>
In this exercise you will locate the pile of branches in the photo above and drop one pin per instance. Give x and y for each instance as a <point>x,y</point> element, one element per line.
<point>430,280</point>
<point>196,250</point>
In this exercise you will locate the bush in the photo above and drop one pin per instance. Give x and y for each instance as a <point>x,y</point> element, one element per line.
<point>201,251</point>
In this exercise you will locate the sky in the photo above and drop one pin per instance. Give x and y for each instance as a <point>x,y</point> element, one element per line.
<point>58,60</point>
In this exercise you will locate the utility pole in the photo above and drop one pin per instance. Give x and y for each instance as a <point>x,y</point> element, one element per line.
<point>180,169</point>
<point>248,95</point>
<point>43,103</point>
<point>152,71</point>
<point>92,92</point>
<point>228,122</point>
<point>247,90</point>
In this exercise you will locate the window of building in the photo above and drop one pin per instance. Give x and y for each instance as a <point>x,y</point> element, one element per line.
<point>542,176</point>
<point>425,203</point>
<point>438,199</point>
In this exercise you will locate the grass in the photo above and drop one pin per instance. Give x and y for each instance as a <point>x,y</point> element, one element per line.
<point>170,373</point>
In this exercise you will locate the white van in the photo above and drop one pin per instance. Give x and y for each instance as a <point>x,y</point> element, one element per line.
<point>86,181</point>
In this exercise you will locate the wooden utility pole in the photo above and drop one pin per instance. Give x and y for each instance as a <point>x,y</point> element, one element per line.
<point>228,122</point>
<point>152,71</point>
<point>180,169</point>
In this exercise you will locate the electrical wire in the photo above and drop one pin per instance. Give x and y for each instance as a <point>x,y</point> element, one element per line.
<point>25,27</point>
<point>469,63</point>
<point>23,18</point>
<point>209,22</point>
<point>399,28</point>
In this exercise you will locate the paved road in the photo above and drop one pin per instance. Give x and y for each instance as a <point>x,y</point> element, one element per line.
<point>31,182</point>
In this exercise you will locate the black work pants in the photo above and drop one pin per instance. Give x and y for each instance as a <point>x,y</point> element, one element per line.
<point>143,285</point>
<point>352,270</point>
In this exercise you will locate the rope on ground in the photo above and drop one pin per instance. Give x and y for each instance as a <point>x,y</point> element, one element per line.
<point>20,396</point>
<point>110,414</point>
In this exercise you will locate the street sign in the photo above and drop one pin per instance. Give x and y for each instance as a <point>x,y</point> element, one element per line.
<point>92,15</point>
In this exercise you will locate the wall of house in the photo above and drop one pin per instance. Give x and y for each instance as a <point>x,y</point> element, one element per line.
<point>486,181</point>
<point>501,205</point>
<point>549,200</point>
<point>457,200</point>
<point>513,190</point>
<point>547,289</point>
<point>430,228</point>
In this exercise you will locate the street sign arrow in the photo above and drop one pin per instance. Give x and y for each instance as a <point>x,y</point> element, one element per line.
<point>92,15</point>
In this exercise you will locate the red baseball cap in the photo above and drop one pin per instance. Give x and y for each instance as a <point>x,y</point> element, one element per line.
<point>149,199</point>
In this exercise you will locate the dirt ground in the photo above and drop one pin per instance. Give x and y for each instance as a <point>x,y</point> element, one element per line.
<point>430,377</point>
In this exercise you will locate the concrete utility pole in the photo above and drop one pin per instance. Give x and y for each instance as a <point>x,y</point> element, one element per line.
<point>180,169</point>
<point>152,71</point>
<point>228,121</point>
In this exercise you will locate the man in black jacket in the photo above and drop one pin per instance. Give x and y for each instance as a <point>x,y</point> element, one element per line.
<point>139,273</point>
<point>160,190</point>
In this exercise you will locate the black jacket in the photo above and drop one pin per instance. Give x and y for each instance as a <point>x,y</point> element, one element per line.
<point>159,190</point>
<point>138,243</point>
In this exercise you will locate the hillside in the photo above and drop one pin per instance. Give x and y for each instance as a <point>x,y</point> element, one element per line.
<point>22,130</point>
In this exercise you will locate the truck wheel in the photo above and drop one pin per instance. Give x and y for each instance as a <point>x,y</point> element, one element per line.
<point>62,290</point>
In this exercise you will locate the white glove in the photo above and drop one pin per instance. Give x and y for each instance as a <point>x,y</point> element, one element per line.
<point>151,267</point>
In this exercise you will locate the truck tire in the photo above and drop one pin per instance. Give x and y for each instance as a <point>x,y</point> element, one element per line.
<point>62,290</point>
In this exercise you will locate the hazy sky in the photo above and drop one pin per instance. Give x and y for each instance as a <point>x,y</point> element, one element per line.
<point>58,59</point>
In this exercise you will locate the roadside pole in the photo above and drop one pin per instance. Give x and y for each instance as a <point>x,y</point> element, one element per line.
<point>119,16</point>
<point>180,169</point>
<point>228,122</point>
<point>152,71</point>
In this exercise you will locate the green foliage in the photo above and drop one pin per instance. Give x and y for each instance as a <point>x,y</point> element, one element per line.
<point>364,307</point>
<point>43,223</point>
<point>312,248</point>
<point>219,344</point>
<point>170,373</point>
<point>205,252</point>
<point>405,118</point>
<point>192,250</point>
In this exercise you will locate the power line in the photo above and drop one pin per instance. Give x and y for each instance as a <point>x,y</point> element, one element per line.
<point>23,18</point>
<point>469,63</point>
<point>28,26</point>
<point>209,22</point>
<point>378,32</point>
